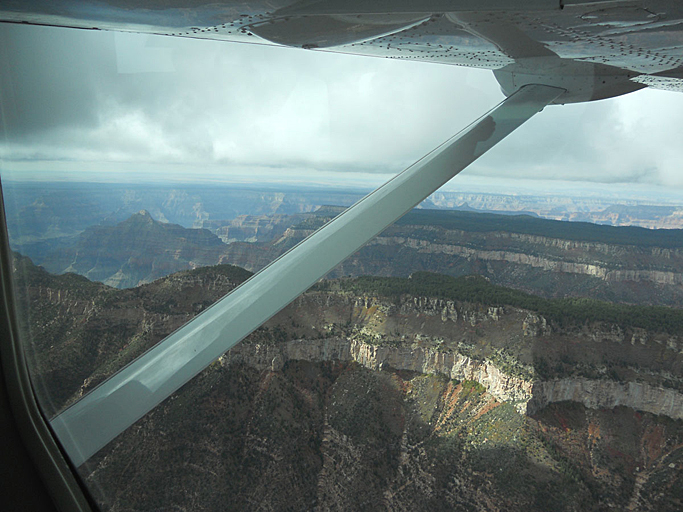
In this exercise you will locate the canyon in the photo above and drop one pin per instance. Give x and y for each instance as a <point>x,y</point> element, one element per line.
<point>548,258</point>
<point>360,395</point>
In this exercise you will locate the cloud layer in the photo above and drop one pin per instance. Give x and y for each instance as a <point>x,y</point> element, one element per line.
<point>96,97</point>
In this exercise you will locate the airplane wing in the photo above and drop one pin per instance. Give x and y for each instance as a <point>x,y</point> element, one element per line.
<point>541,52</point>
<point>624,44</point>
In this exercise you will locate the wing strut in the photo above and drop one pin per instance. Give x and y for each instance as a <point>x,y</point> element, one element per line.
<point>125,397</point>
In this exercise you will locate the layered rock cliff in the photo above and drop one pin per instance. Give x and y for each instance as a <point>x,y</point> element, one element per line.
<point>605,270</point>
<point>507,350</point>
<point>549,258</point>
<point>527,396</point>
<point>504,388</point>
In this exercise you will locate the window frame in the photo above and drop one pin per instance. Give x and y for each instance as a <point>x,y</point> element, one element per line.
<point>57,475</point>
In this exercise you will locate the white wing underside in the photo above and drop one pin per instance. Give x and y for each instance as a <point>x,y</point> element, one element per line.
<point>643,38</point>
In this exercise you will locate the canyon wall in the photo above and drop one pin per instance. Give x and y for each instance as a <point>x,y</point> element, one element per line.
<point>601,269</point>
<point>605,394</point>
<point>455,366</point>
<point>528,396</point>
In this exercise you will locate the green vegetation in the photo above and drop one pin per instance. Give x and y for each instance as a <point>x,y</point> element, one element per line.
<point>472,386</point>
<point>232,272</point>
<point>313,222</point>
<point>508,363</point>
<point>526,224</point>
<point>562,312</point>
<point>27,274</point>
<point>478,222</point>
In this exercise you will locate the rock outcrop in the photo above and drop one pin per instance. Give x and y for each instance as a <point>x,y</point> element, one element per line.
<point>605,394</point>
<point>135,251</point>
<point>456,366</point>
<point>516,354</point>
<point>526,395</point>
<point>543,257</point>
<point>601,270</point>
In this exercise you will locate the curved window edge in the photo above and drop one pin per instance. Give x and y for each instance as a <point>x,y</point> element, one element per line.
<point>56,473</point>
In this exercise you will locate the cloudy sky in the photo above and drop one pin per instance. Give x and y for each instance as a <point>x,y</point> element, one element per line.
<point>78,104</point>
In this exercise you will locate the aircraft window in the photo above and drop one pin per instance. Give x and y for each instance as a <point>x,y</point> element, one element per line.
<point>514,341</point>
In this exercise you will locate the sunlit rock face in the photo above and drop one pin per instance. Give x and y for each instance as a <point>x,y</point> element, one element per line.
<point>503,387</point>
<point>528,396</point>
<point>602,394</point>
<point>370,344</point>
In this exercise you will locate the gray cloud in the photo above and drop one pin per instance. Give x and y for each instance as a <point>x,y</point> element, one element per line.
<point>83,96</point>
<point>50,78</point>
<point>628,139</point>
